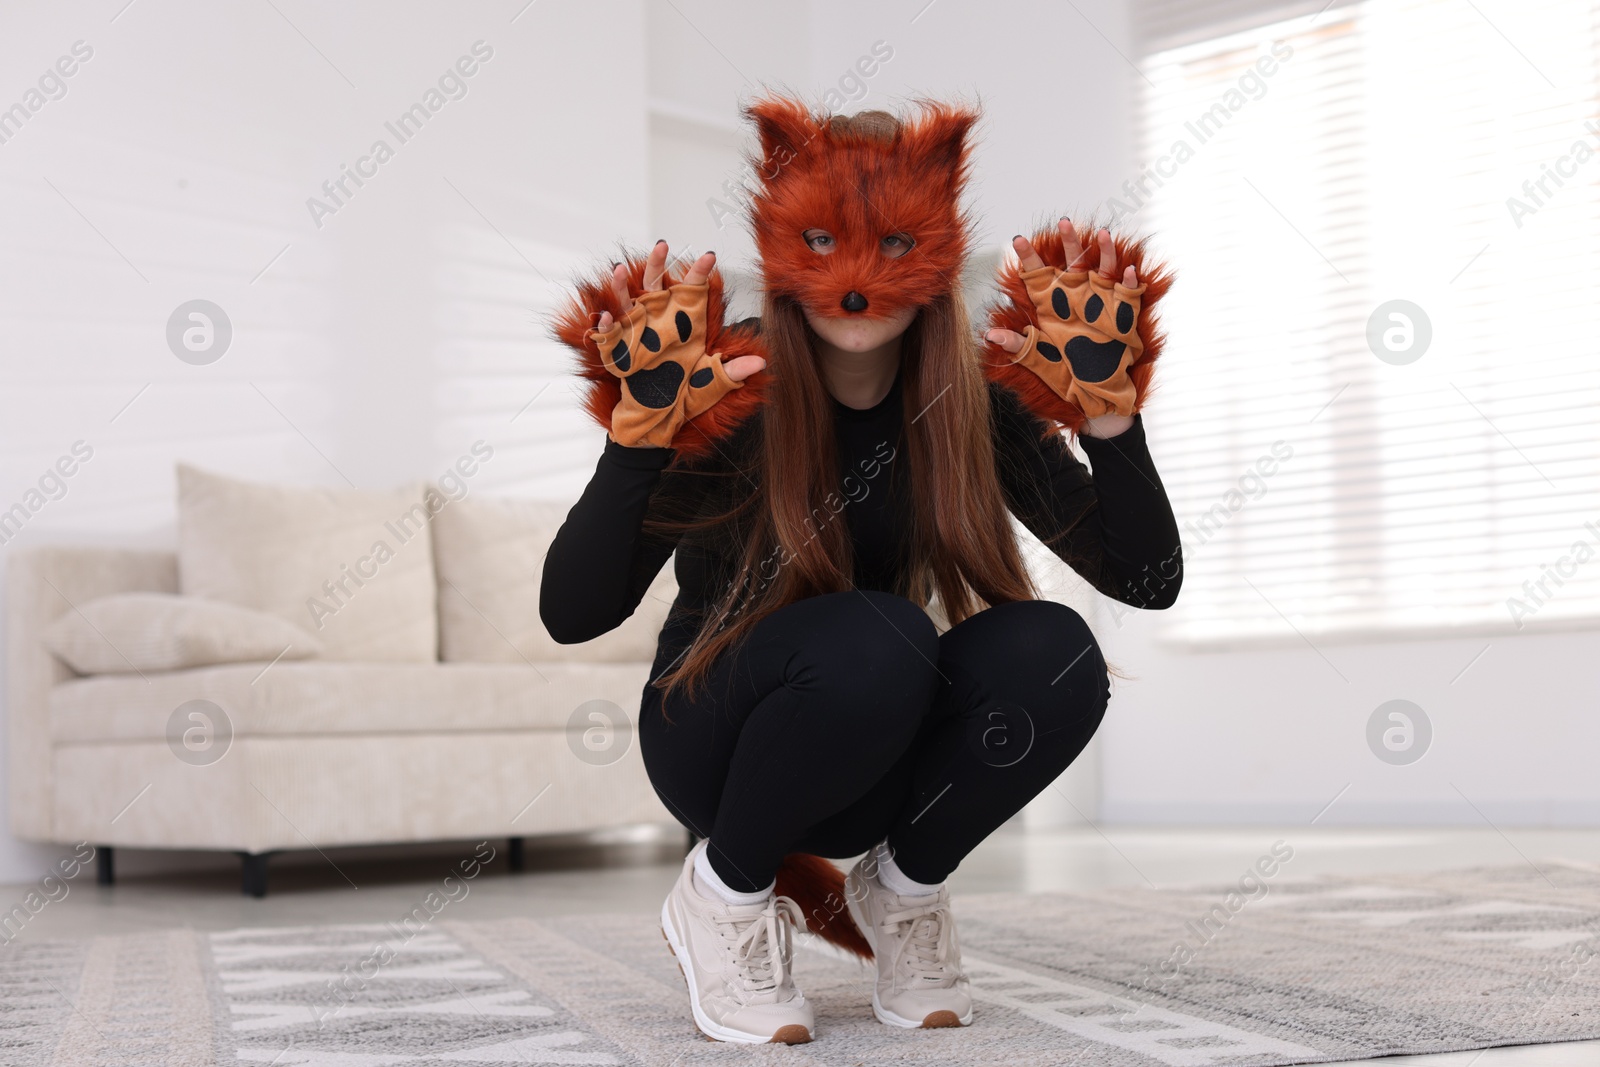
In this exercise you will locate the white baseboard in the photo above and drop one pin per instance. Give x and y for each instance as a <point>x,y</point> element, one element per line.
<point>1525,813</point>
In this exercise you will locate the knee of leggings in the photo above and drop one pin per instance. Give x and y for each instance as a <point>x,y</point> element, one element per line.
<point>1071,666</point>
<point>1051,691</point>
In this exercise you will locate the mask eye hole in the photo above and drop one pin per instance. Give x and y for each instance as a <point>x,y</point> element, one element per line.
<point>896,245</point>
<point>820,241</point>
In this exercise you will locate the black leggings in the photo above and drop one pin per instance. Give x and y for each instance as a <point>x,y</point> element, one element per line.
<point>845,719</point>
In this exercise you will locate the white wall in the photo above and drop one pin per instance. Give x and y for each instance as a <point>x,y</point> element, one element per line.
<point>379,347</point>
<point>1274,733</point>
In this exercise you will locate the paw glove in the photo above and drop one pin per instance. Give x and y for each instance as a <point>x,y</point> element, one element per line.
<point>1084,338</point>
<point>659,351</point>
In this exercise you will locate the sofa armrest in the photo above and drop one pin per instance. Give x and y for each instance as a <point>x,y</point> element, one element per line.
<point>43,583</point>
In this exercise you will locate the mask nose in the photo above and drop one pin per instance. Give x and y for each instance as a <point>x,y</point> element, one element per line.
<point>853,301</point>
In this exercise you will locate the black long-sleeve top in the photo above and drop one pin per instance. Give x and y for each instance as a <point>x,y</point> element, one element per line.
<point>1116,527</point>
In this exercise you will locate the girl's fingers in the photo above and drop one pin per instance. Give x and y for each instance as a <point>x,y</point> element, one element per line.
<point>1130,277</point>
<point>1009,340</point>
<point>605,322</point>
<point>1027,256</point>
<point>619,288</point>
<point>700,270</point>
<point>655,265</point>
<point>741,368</point>
<point>1069,234</point>
<point>1103,249</point>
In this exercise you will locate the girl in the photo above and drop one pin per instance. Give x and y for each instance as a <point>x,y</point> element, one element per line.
<point>803,701</point>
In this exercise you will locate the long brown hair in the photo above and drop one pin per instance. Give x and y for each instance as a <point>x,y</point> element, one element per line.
<point>791,540</point>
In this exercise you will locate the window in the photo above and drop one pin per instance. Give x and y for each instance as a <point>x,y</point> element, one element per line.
<point>1306,177</point>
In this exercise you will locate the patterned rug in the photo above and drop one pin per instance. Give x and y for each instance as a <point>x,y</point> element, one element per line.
<point>1260,972</point>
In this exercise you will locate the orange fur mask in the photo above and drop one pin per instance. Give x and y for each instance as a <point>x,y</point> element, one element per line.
<point>862,180</point>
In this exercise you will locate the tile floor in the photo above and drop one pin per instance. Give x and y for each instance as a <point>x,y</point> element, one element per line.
<point>632,872</point>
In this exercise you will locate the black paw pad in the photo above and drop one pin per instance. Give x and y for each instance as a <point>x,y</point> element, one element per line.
<point>650,339</point>
<point>1124,317</point>
<point>1091,309</point>
<point>620,357</point>
<point>1092,361</point>
<point>656,387</point>
<point>702,377</point>
<point>685,325</point>
<point>1058,302</point>
<point>1048,351</point>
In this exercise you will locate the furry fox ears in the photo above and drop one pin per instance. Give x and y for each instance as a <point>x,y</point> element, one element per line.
<point>795,140</point>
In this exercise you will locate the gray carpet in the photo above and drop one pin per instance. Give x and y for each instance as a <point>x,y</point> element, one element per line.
<point>1334,969</point>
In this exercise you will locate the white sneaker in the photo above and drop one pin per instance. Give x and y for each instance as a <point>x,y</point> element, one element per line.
<point>735,959</point>
<point>920,981</point>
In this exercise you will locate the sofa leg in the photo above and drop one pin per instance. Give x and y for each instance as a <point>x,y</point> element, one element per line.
<point>514,855</point>
<point>253,871</point>
<point>104,873</point>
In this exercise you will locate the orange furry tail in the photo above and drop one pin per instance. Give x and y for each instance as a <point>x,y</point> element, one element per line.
<point>817,886</point>
<point>1016,313</point>
<point>699,435</point>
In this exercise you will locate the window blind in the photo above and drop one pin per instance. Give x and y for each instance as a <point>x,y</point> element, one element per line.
<point>1167,24</point>
<point>1302,175</point>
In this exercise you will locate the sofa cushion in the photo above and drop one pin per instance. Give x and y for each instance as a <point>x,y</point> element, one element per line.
<point>354,568</point>
<point>271,793</point>
<point>489,554</point>
<point>316,697</point>
<point>133,632</point>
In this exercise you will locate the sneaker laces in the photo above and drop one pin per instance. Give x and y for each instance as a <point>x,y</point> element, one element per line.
<point>929,950</point>
<point>760,948</point>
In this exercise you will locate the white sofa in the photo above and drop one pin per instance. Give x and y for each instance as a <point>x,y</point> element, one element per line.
<point>479,742</point>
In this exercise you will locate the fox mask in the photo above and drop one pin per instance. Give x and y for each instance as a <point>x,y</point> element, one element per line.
<point>878,198</point>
